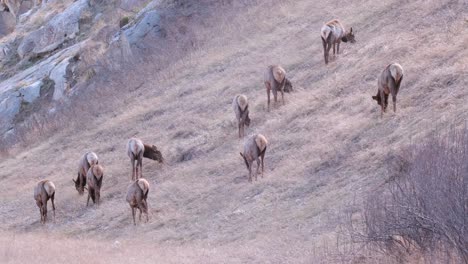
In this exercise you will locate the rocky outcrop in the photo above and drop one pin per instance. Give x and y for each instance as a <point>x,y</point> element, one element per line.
<point>60,28</point>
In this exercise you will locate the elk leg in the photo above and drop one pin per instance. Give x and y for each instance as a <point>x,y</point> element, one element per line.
<point>338,47</point>
<point>268,88</point>
<point>139,209</point>
<point>133,214</point>
<point>382,103</point>
<point>258,168</point>
<point>333,48</point>
<point>329,46</point>
<point>282,96</point>
<point>324,43</point>
<point>133,168</point>
<point>275,95</point>
<point>250,171</point>
<point>394,102</point>
<point>240,125</point>
<point>53,204</point>
<point>263,158</point>
<point>89,195</point>
<point>140,163</point>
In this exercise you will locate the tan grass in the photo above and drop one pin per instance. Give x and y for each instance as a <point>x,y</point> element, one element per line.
<point>328,145</point>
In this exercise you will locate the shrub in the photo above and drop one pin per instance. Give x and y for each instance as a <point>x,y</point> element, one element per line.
<point>425,207</point>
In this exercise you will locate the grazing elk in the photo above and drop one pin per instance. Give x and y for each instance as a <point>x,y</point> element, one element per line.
<point>137,193</point>
<point>94,178</point>
<point>87,160</point>
<point>275,80</point>
<point>241,109</point>
<point>44,191</point>
<point>332,34</point>
<point>388,83</point>
<point>254,149</point>
<point>136,150</point>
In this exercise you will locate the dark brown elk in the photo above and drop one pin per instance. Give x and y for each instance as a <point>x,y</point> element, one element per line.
<point>241,109</point>
<point>94,178</point>
<point>389,83</point>
<point>137,194</point>
<point>254,149</point>
<point>333,33</point>
<point>275,80</point>
<point>136,150</point>
<point>86,161</point>
<point>44,191</point>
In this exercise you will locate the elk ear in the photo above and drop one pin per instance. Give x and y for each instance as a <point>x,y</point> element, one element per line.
<point>351,30</point>
<point>242,155</point>
<point>74,180</point>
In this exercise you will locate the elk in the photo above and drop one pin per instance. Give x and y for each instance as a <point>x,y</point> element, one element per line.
<point>254,149</point>
<point>137,193</point>
<point>94,177</point>
<point>87,160</point>
<point>275,80</point>
<point>44,191</point>
<point>332,34</point>
<point>388,83</point>
<point>136,150</point>
<point>240,105</point>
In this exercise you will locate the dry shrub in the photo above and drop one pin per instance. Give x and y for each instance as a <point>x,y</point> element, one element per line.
<point>424,210</point>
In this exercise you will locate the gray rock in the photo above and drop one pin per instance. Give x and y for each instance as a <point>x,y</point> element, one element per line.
<point>60,28</point>
<point>58,75</point>
<point>150,22</point>
<point>31,92</point>
<point>10,104</point>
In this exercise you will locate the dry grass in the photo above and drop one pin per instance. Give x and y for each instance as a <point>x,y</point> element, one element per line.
<point>328,144</point>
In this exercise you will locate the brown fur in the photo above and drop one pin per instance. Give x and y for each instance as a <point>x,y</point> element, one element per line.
<point>137,195</point>
<point>275,80</point>
<point>136,150</point>
<point>389,83</point>
<point>254,149</point>
<point>44,191</point>
<point>332,34</point>
<point>241,109</point>
<point>86,161</point>
<point>94,178</point>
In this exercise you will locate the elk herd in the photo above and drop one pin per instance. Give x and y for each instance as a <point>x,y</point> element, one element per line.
<point>91,173</point>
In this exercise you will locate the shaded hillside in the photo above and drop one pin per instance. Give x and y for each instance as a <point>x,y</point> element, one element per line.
<point>328,146</point>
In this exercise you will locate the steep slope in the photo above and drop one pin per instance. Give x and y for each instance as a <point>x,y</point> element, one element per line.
<point>328,146</point>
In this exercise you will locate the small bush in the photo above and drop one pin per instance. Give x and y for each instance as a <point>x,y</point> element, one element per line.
<point>124,21</point>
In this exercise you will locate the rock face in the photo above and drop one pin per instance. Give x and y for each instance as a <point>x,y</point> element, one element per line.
<point>149,23</point>
<point>25,87</point>
<point>40,64</point>
<point>60,28</point>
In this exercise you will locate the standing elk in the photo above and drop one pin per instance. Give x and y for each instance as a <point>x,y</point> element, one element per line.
<point>136,150</point>
<point>94,177</point>
<point>44,191</point>
<point>388,83</point>
<point>87,160</point>
<point>137,193</point>
<point>332,34</point>
<point>254,149</point>
<point>240,105</point>
<point>275,80</point>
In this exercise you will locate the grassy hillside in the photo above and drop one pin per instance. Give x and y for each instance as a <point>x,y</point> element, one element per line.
<point>328,145</point>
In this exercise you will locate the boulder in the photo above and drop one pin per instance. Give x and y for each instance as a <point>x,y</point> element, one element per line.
<point>149,23</point>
